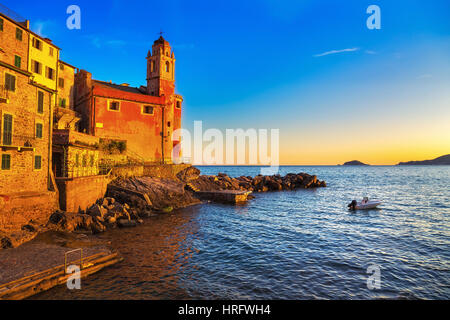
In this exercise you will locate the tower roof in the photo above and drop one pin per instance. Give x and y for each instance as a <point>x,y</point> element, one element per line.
<point>162,41</point>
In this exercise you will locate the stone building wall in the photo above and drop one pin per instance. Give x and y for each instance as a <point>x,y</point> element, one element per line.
<point>165,171</point>
<point>18,209</point>
<point>24,189</point>
<point>22,105</point>
<point>10,46</point>
<point>65,87</point>
<point>81,193</point>
<point>140,131</point>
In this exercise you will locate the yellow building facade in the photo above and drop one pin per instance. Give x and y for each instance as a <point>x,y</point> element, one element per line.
<point>43,60</point>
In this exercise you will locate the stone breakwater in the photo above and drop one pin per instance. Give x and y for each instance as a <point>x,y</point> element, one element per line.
<point>129,200</point>
<point>259,183</point>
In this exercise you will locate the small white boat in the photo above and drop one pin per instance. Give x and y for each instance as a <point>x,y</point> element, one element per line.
<point>364,204</point>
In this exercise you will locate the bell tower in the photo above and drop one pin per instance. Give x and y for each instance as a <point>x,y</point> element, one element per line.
<point>161,69</point>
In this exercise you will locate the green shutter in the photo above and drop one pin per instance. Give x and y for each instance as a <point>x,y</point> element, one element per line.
<point>40,102</point>
<point>17,61</point>
<point>18,34</point>
<point>37,162</point>
<point>10,82</point>
<point>1,24</point>
<point>39,130</point>
<point>7,129</point>
<point>6,161</point>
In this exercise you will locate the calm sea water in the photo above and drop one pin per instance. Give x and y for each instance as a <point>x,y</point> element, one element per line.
<point>301,244</point>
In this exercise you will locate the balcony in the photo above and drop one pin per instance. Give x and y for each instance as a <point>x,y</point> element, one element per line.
<point>74,138</point>
<point>4,94</point>
<point>65,118</point>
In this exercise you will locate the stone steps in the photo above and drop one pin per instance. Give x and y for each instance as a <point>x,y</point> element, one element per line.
<point>190,187</point>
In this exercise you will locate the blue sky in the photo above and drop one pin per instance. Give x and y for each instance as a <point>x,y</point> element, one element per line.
<point>311,68</point>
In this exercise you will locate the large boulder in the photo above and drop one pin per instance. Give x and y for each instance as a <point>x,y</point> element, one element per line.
<point>57,217</point>
<point>97,227</point>
<point>29,228</point>
<point>77,222</point>
<point>5,243</point>
<point>188,174</point>
<point>111,220</point>
<point>257,180</point>
<point>123,223</point>
<point>71,221</point>
<point>235,184</point>
<point>97,211</point>
<point>274,185</point>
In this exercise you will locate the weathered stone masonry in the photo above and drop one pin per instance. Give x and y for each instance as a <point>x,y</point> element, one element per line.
<point>25,134</point>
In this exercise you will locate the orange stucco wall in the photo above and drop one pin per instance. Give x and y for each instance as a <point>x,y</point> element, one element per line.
<point>141,131</point>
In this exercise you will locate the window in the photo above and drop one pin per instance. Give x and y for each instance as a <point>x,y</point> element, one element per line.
<point>50,51</point>
<point>167,66</point>
<point>169,124</point>
<point>19,34</point>
<point>6,162</point>
<point>77,160</point>
<point>152,66</point>
<point>37,162</point>
<point>114,106</point>
<point>61,82</point>
<point>10,82</point>
<point>17,61</point>
<point>62,102</point>
<point>37,67</point>
<point>178,105</point>
<point>92,160</point>
<point>37,43</point>
<point>50,73</point>
<point>147,110</point>
<point>7,129</point>
<point>40,108</point>
<point>1,24</point>
<point>61,67</point>
<point>39,130</point>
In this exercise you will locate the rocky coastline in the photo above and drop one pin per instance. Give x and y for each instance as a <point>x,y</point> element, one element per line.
<point>129,201</point>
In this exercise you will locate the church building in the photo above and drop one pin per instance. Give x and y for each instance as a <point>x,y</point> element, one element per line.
<point>142,119</point>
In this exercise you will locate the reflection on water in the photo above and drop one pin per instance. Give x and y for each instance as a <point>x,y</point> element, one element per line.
<point>300,244</point>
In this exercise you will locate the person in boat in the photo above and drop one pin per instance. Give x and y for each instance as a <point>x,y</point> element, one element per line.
<point>352,205</point>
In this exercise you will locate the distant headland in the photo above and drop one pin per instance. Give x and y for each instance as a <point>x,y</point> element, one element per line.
<point>442,160</point>
<point>355,163</point>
